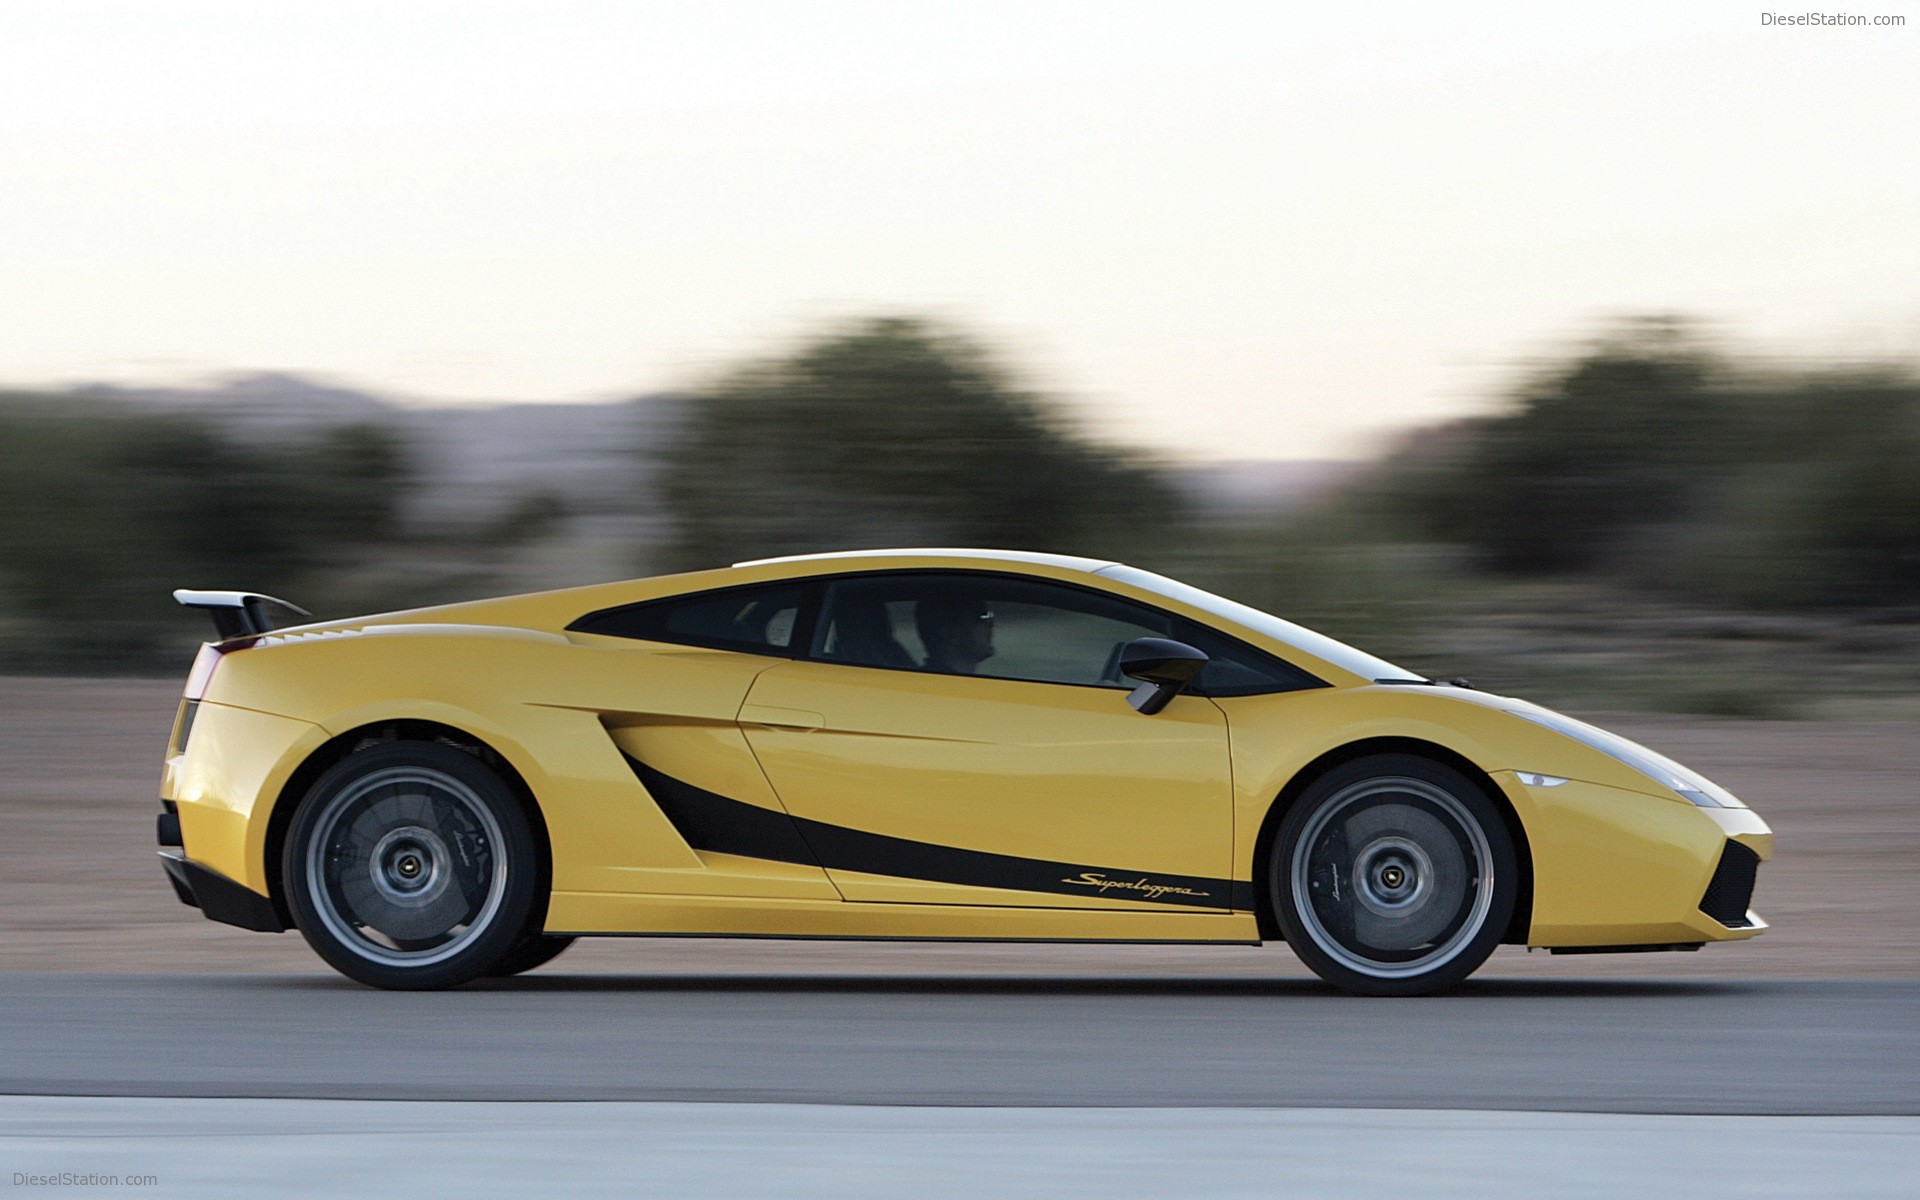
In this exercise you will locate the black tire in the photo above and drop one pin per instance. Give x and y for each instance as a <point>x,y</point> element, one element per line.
<point>411,865</point>
<point>1423,898</point>
<point>536,949</point>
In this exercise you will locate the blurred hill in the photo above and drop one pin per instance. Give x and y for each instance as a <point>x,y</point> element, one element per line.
<point>1252,486</point>
<point>1647,520</point>
<point>513,496</point>
<point>586,472</point>
<point>469,461</point>
<point>347,500</point>
<point>476,459</point>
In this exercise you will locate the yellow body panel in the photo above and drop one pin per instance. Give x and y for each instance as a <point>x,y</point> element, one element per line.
<point>1040,771</point>
<point>1158,818</point>
<point>241,759</point>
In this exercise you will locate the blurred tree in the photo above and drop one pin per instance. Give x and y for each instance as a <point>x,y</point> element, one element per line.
<point>534,515</point>
<point>1865,510</point>
<point>1328,566</point>
<point>1825,507</point>
<point>1609,444</point>
<point>109,509</point>
<point>349,479</point>
<point>895,433</point>
<point>1649,459</point>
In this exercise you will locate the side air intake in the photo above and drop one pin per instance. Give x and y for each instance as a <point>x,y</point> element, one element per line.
<point>1730,892</point>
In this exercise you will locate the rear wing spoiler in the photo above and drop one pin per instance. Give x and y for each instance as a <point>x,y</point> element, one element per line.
<point>242,614</point>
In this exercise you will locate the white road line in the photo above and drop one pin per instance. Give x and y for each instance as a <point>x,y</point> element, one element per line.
<point>302,1148</point>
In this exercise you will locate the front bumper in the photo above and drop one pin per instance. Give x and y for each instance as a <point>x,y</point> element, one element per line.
<point>219,898</point>
<point>1614,868</point>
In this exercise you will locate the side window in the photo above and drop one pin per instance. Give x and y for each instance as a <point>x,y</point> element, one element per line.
<point>758,620</point>
<point>1000,627</point>
<point>1236,669</point>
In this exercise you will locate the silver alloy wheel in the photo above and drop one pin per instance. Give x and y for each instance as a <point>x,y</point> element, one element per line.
<point>406,866</point>
<point>1392,877</point>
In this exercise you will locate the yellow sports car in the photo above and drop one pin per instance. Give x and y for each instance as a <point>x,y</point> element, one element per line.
<point>925,744</point>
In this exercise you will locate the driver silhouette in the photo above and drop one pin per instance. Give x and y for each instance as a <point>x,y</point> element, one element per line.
<point>957,630</point>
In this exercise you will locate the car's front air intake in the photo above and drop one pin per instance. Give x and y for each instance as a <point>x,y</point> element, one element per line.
<point>1731,889</point>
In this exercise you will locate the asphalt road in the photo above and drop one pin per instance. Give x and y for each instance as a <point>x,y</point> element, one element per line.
<point>1772,1047</point>
<point>322,1149</point>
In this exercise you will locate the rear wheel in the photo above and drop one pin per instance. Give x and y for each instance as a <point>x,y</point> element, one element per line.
<point>1393,876</point>
<point>411,865</point>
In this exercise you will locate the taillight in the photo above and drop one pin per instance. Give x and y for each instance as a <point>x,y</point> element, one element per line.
<point>183,725</point>
<point>198,680</point>
<point>202,673</point>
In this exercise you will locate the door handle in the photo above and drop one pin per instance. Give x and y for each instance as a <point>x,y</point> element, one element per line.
<point>780,718</point>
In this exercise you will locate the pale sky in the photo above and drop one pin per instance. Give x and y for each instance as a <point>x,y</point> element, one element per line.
<point>1233,230</point>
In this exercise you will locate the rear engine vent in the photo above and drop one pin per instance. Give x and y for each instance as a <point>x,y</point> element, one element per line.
<point>1731,890</point>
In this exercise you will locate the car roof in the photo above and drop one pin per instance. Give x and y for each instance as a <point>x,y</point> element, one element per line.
<point>1066,562</point>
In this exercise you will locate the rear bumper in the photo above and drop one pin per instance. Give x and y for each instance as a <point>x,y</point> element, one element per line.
<point>219,898</point>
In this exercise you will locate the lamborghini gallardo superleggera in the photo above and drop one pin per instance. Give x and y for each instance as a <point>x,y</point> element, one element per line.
<point>910,744</point>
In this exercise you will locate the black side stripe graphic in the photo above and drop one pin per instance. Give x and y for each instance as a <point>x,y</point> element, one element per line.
<point>722,825</point>
<point>709,821</point>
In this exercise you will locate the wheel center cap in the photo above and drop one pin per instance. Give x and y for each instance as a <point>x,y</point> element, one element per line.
<point>1393,876</point>
<point>410,865</point>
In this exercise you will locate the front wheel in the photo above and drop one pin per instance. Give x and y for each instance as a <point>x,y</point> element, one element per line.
<point>411,865</point>
<point>1393,876</point>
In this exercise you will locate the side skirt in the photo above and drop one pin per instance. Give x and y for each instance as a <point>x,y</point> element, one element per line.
<point>958,941</point>
<point>1679,947</point>
<point>588,913</point>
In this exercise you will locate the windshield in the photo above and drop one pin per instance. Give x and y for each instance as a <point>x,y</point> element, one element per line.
<point>1341,655</point>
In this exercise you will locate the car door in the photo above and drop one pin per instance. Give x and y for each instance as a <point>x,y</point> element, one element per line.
<point>964,738</point>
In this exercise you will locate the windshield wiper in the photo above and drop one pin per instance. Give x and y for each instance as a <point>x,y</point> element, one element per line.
<point>1455,683</point>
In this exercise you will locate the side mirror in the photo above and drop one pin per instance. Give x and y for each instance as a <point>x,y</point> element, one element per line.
<point>1164,669</point>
